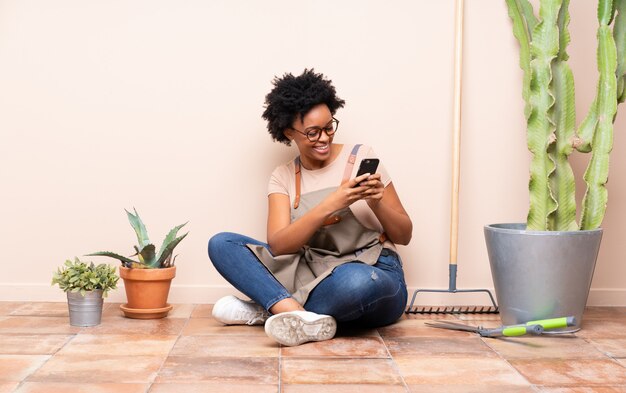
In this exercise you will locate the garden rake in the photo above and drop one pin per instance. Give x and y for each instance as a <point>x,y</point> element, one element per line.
<point>454,216</point>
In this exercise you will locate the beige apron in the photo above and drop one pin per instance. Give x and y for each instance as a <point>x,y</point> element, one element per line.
<point>341,239</point>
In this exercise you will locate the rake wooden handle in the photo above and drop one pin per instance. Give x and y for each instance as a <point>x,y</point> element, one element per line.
<point>456,137</point>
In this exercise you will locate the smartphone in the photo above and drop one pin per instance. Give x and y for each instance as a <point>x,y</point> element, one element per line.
<point>368,165</point>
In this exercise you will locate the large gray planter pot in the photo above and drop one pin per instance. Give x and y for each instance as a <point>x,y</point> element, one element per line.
<point>539,274</point>
<point>85,310</point>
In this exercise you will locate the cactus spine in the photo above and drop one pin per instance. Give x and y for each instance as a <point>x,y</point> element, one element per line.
<point>548,90</point>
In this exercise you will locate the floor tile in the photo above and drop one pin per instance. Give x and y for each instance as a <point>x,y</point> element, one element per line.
<point>571,372</point>
<point>473,371</point>
<point>37,325</point>
<point>8,387</point>
<point>32,344</point>
<point>113,310</point>
<point>95,369</point>
<point>428,346</point>
<point>222,370</point>
<point>178,310</point>
<point>202,311</point>
<point>418,328</point>
<point>123,325</point>
<point>181,311</point>
<point>7,308</point>
<point>566,347</point>
<point>470,388</point>
<point>476,318</point>
<point>611,347</point>
<point>119,345</point>
<point>42,309</point>
<point>583,389</point>
<point>350,347</point>
<point>212,388</point>
<point>39,387</point>
<point>339,371</point>
<point>236,346</point>
<point>209,326</point>
<point>345,388</point>
<point>603,328</point>
<point>14,368</point>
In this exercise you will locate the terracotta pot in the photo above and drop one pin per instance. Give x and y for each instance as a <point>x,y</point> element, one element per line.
<point>147,291</point>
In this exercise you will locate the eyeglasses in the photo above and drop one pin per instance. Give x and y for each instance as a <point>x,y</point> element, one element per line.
<point>313,134</point>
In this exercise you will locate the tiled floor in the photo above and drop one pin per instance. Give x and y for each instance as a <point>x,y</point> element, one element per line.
<point>191,352</point>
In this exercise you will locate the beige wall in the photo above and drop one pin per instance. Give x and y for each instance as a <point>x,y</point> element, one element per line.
<point>156,104</point>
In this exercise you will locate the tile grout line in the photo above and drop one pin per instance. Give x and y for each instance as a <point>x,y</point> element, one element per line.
<point>614,359</point>
<point>50,356</point>
<point>394,365</point>
<point>178,336</point>
<point>538,387</point>
<point>499,355</point>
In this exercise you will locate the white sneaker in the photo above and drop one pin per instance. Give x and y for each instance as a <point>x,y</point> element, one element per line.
<point>231,310</point>
<point>298,327</point>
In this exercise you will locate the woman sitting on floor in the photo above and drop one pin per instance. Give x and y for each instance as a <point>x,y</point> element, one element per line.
<point>330,254</point>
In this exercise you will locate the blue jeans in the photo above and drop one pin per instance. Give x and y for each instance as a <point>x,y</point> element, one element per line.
<point>369,296</point>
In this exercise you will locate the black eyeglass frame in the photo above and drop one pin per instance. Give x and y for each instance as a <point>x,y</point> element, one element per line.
<point>329,130</point>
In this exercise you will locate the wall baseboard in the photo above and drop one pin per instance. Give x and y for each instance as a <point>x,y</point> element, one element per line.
<point>208,294</point>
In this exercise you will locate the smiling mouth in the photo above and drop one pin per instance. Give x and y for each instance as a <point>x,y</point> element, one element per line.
<point>321,148</point>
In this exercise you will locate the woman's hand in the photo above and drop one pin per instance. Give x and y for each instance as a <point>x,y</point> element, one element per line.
<point>284,236</point>
<point>362,187</point>
<point>383,201</point>
<point>375,191</point>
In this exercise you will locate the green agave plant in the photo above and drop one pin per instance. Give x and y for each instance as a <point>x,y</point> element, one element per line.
<point>548,89</point>
<point>148,257</point>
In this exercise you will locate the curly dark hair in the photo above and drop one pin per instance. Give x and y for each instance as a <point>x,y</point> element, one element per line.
<point>294,96</point>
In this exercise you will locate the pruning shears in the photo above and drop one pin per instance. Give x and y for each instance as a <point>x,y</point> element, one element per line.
<point>532,327</point>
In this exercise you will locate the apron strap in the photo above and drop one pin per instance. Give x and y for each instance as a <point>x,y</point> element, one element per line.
<point>346,174</point>
<point>334,219</point>
<point>350,164</point>
<point>296,201</point>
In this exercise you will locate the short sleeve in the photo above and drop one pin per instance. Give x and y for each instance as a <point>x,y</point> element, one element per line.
<point>279,181</point>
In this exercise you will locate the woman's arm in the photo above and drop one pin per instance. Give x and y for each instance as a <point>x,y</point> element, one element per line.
<point>285,237</point>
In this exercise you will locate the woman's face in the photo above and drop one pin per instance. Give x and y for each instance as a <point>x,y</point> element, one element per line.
<point>313,155</point>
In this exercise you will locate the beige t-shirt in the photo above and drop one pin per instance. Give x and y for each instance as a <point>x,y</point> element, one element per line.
<point>283,181</point>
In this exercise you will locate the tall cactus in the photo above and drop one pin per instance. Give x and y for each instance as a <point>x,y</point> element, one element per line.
<point>548,90</point>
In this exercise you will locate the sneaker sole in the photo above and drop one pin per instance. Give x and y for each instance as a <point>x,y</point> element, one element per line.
<point>292,330</point>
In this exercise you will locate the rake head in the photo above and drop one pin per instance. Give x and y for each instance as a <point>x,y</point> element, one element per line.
<point>411,309</point>
<point>452,310</point>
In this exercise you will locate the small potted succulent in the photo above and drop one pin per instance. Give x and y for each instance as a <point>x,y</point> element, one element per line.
<point>147,279</point>
<point>85,285</point>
